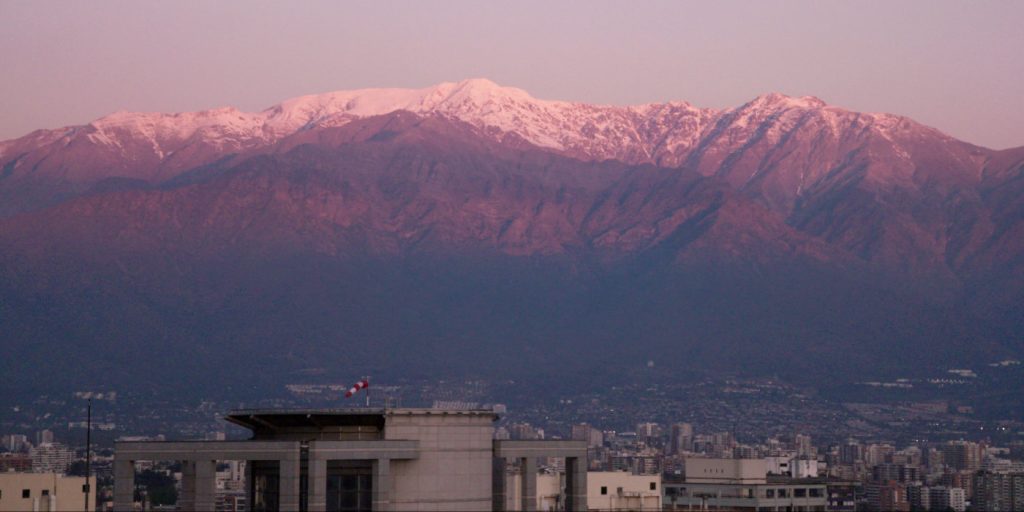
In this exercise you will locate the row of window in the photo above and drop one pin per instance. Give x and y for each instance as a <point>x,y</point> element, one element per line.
<point>749,492</point>
<point>813,492</point>
<point>27,493</point>
<point>604,488</point>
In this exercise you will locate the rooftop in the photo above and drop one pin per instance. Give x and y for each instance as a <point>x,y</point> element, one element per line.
<point>276,419</point>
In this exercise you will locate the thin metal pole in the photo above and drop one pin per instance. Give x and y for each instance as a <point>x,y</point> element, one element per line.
<point>88,451</point>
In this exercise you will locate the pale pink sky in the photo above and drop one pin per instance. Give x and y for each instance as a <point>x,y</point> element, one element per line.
<point>957,66</point>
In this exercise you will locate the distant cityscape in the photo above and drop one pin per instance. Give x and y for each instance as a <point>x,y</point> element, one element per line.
<point>923,453</point>
<point>451,256</point>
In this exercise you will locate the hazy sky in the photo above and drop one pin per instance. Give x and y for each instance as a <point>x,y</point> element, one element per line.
<point>958,66</point>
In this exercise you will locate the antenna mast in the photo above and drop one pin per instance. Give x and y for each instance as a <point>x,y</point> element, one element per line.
<point>88,451</point>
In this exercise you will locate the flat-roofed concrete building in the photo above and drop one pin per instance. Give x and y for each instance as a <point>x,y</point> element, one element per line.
<point>607,491</point>
<point>618,490</point>
<point>726,471</point>
<point>43,492</point>
<point>360,459</point>
<point>742,485</point>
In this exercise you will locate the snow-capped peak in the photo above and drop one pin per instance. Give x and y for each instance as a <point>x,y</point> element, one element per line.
<point>663,133</point>
<point>464,100</point>
<point>561,125</point>
<point>480,90</point>
<point>776,100</point>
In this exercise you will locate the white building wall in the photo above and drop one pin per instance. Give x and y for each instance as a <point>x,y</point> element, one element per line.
<point>623,491</point>
<point>62,492</point>
<point>549,491</point>
<point>743,471</point>
<point>803,468</point>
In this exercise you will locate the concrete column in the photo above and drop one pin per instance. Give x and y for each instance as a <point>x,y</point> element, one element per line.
<point>528,468</point>
<point>124,485</point>
<point>317,480</point>
<point>288,493</point>
<point>249,484</point>
<point>576,484</point>
<point>205,487</point>
<point>381,485</point>
<point>498,485</point>
<point>187,498</point>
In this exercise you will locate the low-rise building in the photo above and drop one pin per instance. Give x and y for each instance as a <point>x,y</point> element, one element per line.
<point>616,490</point>
<point>843,495</point>
<point>606,491</point>
<point>742,485</point>
<point>42,492</point>
<point>19,462</point>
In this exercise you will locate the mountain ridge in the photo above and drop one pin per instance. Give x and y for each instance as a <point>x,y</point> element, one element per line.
<point>151,146</point>
<point>420,241</point>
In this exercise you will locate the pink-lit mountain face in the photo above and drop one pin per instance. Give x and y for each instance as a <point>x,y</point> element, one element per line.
<point>879,186</point>
<point>648,202</point>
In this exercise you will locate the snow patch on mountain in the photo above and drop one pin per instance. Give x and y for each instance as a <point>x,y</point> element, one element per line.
<point>661,133</point>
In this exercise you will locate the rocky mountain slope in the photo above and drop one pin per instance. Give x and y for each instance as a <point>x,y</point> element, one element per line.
<point>399,228</point>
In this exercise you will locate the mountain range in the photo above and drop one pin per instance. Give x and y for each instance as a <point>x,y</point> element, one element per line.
<point>471,228</point>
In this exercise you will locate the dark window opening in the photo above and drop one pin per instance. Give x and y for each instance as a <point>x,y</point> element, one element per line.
<point>265,486</point>
<point>349,486</point>
<point>349,493</point>
<point>604,490</point>
<point>25,493</point>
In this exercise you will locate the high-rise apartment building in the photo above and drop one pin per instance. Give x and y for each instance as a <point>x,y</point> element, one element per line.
<point>44,437</point>
<point>998,492</point>
<point>681,438</point>
<point>51,458</point>
<point>851,452</point>
<point>895,472</point>
<point>888,496</point>
<point>16,442</point>
<point>947,498</point>
<point>802,445</point>
<point>585,432</point>
<point>963,455</point>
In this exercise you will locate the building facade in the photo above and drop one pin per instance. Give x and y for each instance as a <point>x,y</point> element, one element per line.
<point>51,458</point>
<point>742,485</point>
<point>360,460</point>
<point>998,492</point>
<point>615,490</point>
<point>42,492</point>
